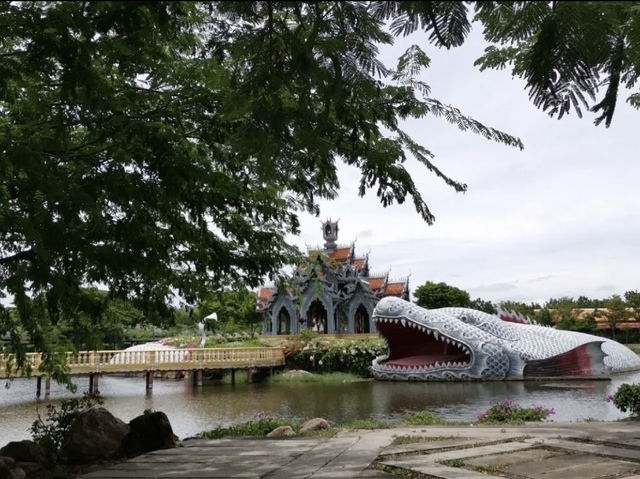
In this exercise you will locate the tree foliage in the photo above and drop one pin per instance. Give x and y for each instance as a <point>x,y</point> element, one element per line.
<point>483,305</point>
<point>616,312</point>
<point>440,295</point>
<point>165,149</point>
<point>573,55</point>
<point>234,308</point>
<point>525,309</point>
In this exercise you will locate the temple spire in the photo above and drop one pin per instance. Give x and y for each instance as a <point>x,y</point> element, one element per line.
<point>330,235</point>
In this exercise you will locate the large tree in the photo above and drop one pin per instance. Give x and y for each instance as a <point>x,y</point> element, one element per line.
<point>572,55</point>
<point>165,149</point>
<point>441,295</point>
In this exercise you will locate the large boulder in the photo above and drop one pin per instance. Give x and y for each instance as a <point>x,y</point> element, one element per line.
<point>314,424</point>
<point>9,469</point>
<point>25,451</point>
<point>149,432</point>
<point>94,435</point>
<point>28,455</point>
<point>282,431</point>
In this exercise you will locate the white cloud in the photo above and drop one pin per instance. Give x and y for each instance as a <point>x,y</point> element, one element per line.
<point>557,219</point>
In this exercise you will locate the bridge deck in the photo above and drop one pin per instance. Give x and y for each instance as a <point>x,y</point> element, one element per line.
<point>92,362</point>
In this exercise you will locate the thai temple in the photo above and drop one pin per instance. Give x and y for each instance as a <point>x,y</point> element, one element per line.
<point>333,292</point>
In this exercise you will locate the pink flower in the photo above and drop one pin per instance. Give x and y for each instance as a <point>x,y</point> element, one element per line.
<point>609,398</point>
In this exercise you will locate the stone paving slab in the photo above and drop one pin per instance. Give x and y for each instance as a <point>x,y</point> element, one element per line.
<point>518,457</point>
<point>570,466</point>
<point>599,449</point>
<point>351,462</point>
<point>551,450</point>
<point>307,465</point>
<point>430,445</point>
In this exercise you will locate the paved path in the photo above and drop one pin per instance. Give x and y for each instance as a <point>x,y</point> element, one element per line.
<point>586,450</point>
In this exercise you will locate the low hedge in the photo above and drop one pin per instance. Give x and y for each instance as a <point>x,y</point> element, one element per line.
<point>323,355</point>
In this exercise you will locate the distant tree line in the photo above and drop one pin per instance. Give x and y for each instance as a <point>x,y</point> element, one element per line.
<point>101,320</point>
<point>561,312</point>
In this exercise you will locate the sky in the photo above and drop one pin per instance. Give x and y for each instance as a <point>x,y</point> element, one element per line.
<point>560,218</point>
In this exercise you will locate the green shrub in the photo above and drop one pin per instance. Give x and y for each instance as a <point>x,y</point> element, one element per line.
<point>306,335</point>
<point>260,425</point>
<point>423,418</point>
<point>50,431</point>
<point>367,424</point>
<point>627,398</point>
<point>323,355</point>
<point>509,411</point>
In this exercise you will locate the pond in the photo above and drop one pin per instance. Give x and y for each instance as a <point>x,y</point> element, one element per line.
<point>191,409</point>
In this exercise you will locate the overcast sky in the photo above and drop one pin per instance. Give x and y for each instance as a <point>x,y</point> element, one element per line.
<point>560,218</point>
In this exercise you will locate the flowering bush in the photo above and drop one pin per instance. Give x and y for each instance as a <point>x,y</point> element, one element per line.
<point>627,398</point>
<point>322,355</point>
<point>509,411</point>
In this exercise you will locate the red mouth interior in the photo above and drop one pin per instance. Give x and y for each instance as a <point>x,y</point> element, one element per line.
<point>411,347</point>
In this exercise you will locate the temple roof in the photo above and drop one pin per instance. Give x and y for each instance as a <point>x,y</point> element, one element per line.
<point>375,283</point>
<point>264,295</point>
<point>358,263</point>
<point>394,289</point>
<point>340,254</point>
<point>337,266</point>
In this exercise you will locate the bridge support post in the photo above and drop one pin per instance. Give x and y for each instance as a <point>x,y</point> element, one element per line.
<point>233,376</point>
<point>250,373</point>
<point>38,386</point>
<point>93,383</point>
<point>47,387</point>
<point>198,375</point>
<point>149,380</point>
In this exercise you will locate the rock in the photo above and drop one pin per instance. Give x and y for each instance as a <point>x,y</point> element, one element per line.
<point>94,435</point>
<point>282,431</point>
<point>25,451</point>
<point>149,432</point>
<point>295,373</point>
<point>314,424</point>
<point>9,469</point>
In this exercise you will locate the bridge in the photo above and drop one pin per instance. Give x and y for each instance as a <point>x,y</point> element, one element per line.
<point>96,363</point>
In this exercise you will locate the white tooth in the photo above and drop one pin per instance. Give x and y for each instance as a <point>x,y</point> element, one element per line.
<point>435,334</point>
<point>436,365</point>
<point>447,340</point>
<point>428,331</point>
<point>404,323</point>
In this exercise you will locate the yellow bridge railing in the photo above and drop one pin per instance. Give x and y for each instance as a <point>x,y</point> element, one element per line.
<point>98,362</point>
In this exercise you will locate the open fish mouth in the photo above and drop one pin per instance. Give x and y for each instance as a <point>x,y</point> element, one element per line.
<point>414,347</point>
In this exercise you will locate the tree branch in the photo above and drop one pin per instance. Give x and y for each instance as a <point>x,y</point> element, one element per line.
<point>28,255</point>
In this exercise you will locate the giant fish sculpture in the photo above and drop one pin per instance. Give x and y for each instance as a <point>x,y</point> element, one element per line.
<point>459,343</point>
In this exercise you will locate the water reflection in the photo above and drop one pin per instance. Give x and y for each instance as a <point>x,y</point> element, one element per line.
<point>191,409</point>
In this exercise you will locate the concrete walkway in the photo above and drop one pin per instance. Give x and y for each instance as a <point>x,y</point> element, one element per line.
<point>586,450</point>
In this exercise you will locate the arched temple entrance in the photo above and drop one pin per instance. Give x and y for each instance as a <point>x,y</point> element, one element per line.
<point>317,317</point>
<point>361,320</point>
<point>284,322</point>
